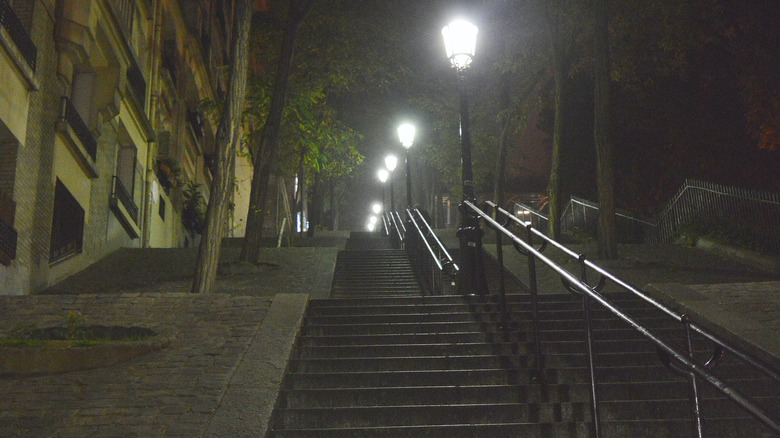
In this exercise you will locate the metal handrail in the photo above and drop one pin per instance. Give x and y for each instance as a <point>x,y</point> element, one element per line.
<point>399,225</point>
<point>397,228</point>
<point>438,256</point>
<point>588,292</point>
<point>680,317</point>
<point>436,240</point>
<point>425,241</point>
<point>385,225</point>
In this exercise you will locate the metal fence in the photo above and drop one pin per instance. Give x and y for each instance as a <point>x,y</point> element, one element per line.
<point>747,215</point>
<point>583,215</point>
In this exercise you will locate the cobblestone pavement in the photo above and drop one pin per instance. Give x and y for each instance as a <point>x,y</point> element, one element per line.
<point>158,270</point>
<point>171,392</point>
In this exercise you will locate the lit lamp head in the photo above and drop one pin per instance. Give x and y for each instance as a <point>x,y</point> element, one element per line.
<point>460,42</point>
<point>406,134</point>
<point>376,208</point>
<point>391,161</point>
<point>383,174</point>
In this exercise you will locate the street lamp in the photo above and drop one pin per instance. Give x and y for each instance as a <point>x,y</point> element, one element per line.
<point>406,135</point>
<point>376,208</point>
<point>382,174</point>
<point>460,42</point>
<point>391,162</point>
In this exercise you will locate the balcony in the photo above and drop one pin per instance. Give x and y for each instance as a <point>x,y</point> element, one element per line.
<point>137,85</point>
<point>124,208</point>
<point>10,22</point>
<point>79,137</point>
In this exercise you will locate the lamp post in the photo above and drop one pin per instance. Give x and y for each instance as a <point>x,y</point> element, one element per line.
<point>460,41</point>
<point>382,174</point>
<point>391,162</point>
<point>406,135</point>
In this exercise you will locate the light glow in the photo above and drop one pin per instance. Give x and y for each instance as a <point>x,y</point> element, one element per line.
<point>376,208</point>
<point>406,134</point>
<point>460,42</point>
<point>391,161</point>
<point>383,174</point>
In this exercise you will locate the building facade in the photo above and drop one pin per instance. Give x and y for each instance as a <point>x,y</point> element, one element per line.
<point>105,140</point>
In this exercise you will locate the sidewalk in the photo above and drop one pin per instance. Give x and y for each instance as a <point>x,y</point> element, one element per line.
<point>219,375</point>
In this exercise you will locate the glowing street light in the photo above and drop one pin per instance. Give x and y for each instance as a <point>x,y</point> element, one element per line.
<point>376,208</point>
<point>406,135</point>
<point>460,43</point>
<point>391,162</point>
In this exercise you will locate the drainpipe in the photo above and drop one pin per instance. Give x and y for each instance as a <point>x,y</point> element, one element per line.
<point>154,62</point>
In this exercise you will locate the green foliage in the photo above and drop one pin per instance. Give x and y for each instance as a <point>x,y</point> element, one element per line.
<point>193,214</point>
<point>75,324</point>
<point>735,235</point>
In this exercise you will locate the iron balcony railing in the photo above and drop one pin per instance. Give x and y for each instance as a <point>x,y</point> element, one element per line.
<point>8,238</point>
<point>120,194</point>
<point>76,123</point>
<point>431,260</point>
<point>18,33</point>
<point>680,361</point>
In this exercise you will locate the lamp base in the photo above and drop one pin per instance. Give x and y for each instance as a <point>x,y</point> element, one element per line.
<point>471,278</point>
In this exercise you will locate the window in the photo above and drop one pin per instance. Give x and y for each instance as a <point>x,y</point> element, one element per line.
<point>67,229</point>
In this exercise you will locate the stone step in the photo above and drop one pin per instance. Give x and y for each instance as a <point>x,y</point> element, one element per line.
<point>423,315</point>
<point>459,430</point>
<point>438,395</point>
<point>423,415</point>
<point>445,377</point>
<point>549,330</point>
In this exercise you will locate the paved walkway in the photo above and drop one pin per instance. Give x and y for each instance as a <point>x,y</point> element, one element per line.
<point>219,375</point>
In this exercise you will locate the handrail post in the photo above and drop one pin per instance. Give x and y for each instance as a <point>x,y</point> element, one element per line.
<point>694,398</point>
<point>501,285</point>
<point>594,402</point>
<point>534,304</point>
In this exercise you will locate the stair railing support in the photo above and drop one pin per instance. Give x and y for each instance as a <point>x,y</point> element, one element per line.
<point>694,398</point>
<point>501,284</point>
<point>534,303</point>
<point>594,402</point>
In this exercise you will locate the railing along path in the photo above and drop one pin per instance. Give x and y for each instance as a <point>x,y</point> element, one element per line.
<point>679,361</point>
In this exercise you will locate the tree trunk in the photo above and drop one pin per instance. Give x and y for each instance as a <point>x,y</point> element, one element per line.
<point>315,213</point>
<point>553,189</point>
<point>607,234</point>
<point>226,144</point>
<point>269,141</point>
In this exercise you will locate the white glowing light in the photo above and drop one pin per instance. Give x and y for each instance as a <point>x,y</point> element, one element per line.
<point>460,42</point>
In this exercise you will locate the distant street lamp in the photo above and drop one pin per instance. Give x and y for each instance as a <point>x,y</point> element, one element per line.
<point>406,135</point>
<point>391,162</point>
<point>376,208</point>
<point>382,174</point>
<point>460,42</point>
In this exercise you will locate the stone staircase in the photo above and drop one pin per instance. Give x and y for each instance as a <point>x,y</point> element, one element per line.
<point>381,360</point>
